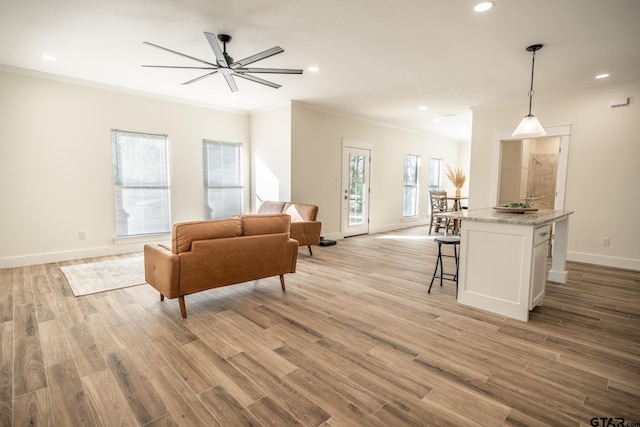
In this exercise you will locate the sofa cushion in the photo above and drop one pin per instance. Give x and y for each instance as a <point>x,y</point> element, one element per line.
<point>301,212</point>
<point>265,224</point>
<point>271,207</point>
<point>186,232</point>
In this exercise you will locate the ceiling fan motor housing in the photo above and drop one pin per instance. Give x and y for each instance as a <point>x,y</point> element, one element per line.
<point>224,39</point>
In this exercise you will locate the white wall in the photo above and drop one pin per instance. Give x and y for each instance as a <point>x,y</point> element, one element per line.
<point>464,163</point>
<point>271,155</point>
<point>316,165</point>
<point>603,173</point>
<point>56,165</point>
<point>56,169</point>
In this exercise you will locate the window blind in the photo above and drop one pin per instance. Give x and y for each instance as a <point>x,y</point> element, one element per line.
<point>410,188</point>
<point>222,179</point>
<point>141,183</point>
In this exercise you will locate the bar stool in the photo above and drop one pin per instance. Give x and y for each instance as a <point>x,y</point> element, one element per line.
<point>446,240</point>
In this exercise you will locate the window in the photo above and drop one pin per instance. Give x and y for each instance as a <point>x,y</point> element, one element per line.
<point>435,174</point>
<point>141,183</point>
<point>223,190</point>
<point>410,191</point>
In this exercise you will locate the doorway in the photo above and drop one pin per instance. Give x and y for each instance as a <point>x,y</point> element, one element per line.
<point>561,134</point>
<point>528,171</point>
<point>355,190</point>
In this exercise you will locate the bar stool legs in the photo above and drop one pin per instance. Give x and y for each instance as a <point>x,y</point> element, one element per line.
<point>446,240</point>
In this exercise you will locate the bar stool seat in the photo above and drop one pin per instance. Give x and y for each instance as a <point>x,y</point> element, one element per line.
<point>448,241</point>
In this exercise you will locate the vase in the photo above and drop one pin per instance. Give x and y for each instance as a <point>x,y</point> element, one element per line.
<point>457,192</point>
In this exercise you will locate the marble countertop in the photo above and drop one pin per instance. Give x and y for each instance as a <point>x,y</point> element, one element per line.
<point>540,217</point>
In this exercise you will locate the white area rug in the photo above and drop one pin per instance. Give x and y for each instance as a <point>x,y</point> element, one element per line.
<point>94,277</point>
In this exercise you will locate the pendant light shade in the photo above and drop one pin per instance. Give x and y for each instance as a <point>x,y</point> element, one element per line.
<point>530,127</point>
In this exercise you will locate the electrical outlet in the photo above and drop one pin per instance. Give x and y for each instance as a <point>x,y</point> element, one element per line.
<point>82,235</point>
<point>604,241</point>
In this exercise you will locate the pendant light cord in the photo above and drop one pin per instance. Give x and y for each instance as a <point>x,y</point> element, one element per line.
<point>532,48</point>
<point>531,91</point>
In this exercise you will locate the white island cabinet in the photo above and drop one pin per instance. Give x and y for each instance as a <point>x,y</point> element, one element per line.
<point>503,258</point>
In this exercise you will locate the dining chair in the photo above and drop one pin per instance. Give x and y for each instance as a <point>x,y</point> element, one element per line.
<point>438,205</point>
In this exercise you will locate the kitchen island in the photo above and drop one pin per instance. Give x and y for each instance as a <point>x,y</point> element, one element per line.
<point>503,258</point>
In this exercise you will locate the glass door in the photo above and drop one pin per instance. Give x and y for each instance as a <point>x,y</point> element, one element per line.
<point>355,191</point>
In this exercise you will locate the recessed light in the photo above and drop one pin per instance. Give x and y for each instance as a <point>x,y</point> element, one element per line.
<point>47,57</point>
<point>602,76</point>
<point>422,107</point>
<point>483,6</point>
<point>313,69</point>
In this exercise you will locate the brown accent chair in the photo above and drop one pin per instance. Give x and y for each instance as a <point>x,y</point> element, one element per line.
<point>212,254</point>
<point>304,225</point>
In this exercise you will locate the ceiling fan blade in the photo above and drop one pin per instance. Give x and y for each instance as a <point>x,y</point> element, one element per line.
<point>200,78</point>
<point>178,53</point>
<point>213,42</point>
<point>269,70</point>
<point>232,83</point>
<point>175,66</point>
<point>257,57</point>
<point>257,80</point>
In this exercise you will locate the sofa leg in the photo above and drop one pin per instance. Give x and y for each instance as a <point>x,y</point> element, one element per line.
<point>282,282</point>
<point>183,309</point>
<point>310,253</point>
<point>161,297</point>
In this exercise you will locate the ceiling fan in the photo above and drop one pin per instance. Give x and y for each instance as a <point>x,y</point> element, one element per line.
<point>226,66</point>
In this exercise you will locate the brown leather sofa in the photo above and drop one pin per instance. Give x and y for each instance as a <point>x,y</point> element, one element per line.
<point>211,254</point>
<point>304,225</point>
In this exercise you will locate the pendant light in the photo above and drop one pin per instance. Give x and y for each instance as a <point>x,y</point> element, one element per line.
<point>530,127</point>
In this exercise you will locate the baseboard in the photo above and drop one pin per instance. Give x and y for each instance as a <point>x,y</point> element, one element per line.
<point>626,263</point>
<point>398,226</point>
<point>46,258</point>
<point>384,229</point>
<point>333,236</point>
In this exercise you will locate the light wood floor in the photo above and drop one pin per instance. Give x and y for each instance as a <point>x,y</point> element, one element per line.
<point>355,341</point>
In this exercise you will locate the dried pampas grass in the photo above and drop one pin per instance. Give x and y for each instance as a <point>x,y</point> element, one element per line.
<point>456,177</point>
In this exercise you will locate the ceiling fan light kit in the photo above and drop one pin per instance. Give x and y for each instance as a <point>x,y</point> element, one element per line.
<point>530,126</point>
<point>226,66</point>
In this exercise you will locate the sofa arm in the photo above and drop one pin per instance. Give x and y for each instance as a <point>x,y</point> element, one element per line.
<point>306,232</point>
<point>162,270</point>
